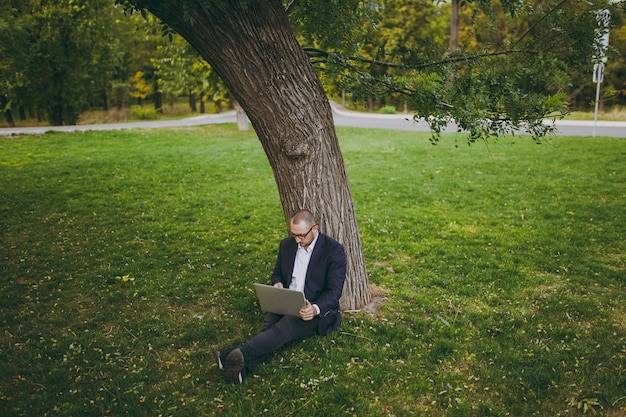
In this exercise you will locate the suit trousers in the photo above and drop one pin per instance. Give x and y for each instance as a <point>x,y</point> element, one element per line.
<point>276,332</point>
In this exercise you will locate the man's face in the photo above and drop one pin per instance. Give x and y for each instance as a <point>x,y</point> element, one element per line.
<point>303,233</point>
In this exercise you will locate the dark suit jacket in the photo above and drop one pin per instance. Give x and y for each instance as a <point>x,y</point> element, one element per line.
<point>325,277</point>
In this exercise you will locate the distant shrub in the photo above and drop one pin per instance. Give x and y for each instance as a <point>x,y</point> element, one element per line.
<point>143,113</point>
<point>387,110</point>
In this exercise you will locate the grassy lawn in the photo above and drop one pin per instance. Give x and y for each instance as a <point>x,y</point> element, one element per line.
<point>616,114</point>
<point>126,256</point>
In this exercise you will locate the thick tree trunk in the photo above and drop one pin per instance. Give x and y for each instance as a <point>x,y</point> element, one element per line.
<point>253,49</point>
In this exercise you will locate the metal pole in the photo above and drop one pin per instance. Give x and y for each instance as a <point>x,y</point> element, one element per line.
<point>595,116</point>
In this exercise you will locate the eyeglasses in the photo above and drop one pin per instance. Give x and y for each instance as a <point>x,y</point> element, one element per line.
<point>304,235</point>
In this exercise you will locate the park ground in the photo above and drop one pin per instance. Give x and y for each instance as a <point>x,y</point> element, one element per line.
<point>126,256</point>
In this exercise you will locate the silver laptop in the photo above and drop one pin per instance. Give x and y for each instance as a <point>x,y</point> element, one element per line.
<point>279,300</point>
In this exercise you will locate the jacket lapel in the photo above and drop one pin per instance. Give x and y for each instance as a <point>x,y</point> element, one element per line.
<point>292,249</point>
<point>317,252</point>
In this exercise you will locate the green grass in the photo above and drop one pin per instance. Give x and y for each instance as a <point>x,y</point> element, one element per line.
<point>613,114</point>
<point>126,256</point>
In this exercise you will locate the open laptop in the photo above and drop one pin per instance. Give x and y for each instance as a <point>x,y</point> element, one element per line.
<point>279,300</point>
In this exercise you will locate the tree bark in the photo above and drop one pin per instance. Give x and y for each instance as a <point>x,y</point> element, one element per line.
<point>157,99</point>
<point>454,25</point>
<point>8,116</point>
<point>192,102</point>
<point>242,119</point>
<point>253,49</point>
<point>202,104</point>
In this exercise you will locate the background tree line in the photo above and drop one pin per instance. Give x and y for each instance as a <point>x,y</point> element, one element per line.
<point>59,59</point>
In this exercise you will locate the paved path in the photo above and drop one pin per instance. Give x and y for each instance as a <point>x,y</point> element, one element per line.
<point>206,119</point>
<point>342,118</point>
<point>405,122</point>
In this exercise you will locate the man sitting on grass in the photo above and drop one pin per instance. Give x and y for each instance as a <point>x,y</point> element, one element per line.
<point>312,263</point>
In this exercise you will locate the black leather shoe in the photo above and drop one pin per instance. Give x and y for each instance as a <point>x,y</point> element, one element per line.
<point>218,358</point>
<point>233,367</point>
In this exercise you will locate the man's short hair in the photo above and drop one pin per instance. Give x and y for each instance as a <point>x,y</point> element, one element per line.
<point>303,216</point>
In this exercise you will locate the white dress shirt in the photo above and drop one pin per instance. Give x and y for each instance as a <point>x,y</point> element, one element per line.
<point>300,266</point>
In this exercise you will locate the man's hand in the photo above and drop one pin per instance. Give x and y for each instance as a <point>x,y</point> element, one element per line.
<point>279,285</point>
<point>307,312</point>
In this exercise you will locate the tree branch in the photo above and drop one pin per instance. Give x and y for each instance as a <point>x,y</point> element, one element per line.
<point>317,53</point>
<point>545,16</point>
<point>291,5</point>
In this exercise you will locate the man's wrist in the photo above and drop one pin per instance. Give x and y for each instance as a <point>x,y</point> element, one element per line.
<point>317,309</point>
